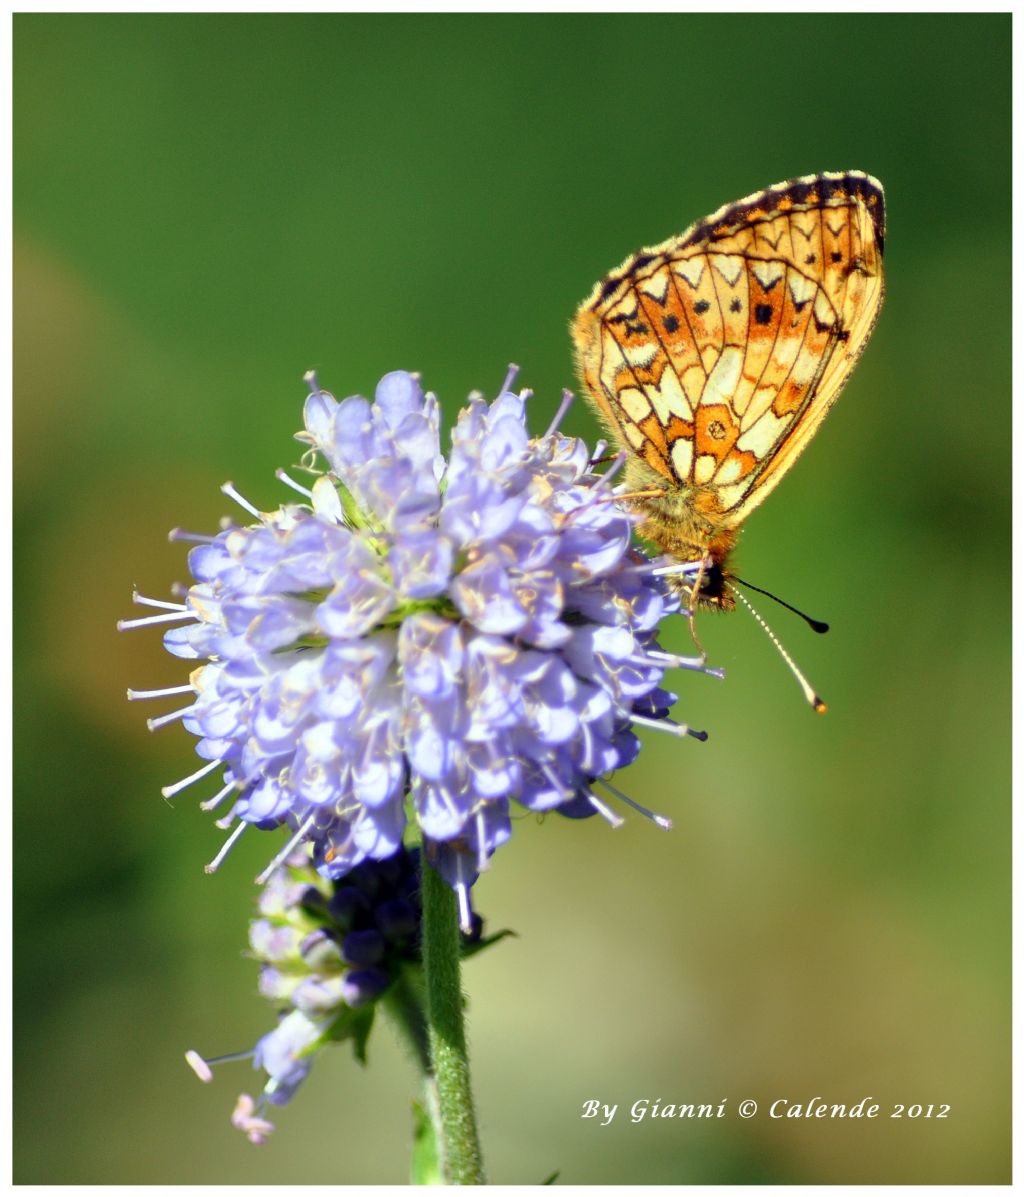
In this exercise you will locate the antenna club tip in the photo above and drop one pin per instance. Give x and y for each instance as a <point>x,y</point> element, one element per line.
<point>697,735</point>
<point>819,626</point>
<point>820,708</point>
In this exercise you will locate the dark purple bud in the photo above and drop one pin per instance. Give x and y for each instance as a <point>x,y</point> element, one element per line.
<point>397,919</point>
<point>364,985</point>
<point>349,907</point>
<point>363,947</point>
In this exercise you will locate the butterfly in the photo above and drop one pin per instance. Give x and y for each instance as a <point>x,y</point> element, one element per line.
<point>713,357</point>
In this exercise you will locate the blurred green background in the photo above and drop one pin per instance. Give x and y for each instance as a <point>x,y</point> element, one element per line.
<point>207,206</point>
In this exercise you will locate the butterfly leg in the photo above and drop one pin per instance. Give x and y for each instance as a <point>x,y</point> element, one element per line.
<point>691,617</point>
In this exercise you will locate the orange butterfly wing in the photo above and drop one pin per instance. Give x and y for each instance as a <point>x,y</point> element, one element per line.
<point>715,355</point>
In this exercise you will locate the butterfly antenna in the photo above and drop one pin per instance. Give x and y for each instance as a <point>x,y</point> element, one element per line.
<point>805,685</point>
<point>816,625</point>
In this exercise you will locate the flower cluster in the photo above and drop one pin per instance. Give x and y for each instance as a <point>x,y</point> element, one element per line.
<point>328,951</point>
<point>422,638</point>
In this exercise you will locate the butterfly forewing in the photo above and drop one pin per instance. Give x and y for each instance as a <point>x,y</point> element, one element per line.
<point>715,356</point>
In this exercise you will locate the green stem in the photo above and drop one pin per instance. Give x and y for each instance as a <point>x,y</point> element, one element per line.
<point>404,1005</point>
<point>446,1029</point>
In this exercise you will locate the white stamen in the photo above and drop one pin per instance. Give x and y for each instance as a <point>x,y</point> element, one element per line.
<point>140,600</point>
<point>218,798</point>
<point>199,1066</point>
<point>135,695</point>
<point>664,725</point>
<point>598,453</point>
<point>163,720</point>
<point>170,791</point>
<point>281,476</point>
<point>567,398</point>
<point>805,685</point>
<point>287,850</point>
<point>462,893</point>
<point>661,820</point>
<point>309,378</point>
<point>229,843</point>
<point>605,811</point>
<point>124,625</point>
<point>680,567</point>
<point>556,782</point>
<point>482,861</point>
<point>510,377</point>
<point>177,534</point>
<point>229,489</point>
<point>671,661</point>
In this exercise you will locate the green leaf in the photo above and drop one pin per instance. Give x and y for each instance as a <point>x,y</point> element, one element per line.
<point>425,1166</point>
<point>471,949</point>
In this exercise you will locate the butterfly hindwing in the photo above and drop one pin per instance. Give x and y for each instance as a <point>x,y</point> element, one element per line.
<point>715,355</point>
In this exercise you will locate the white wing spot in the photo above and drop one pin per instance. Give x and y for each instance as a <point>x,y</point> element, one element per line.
<point>692,272</point>
<point>761,438</point>
<point>823,310</point>
<point>705,470</point>
<point>725,377</point>
<point>768,273</point>
<point>729,470</point>
<point>729,266</point>
<point>634,403</point>
<point>656,287</point>
<point>669,399</point>
<point>682,457</point>
<point>801,288</point>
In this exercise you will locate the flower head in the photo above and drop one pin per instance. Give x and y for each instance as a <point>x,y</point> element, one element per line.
<point>423,639</point>
<point>328,950</point>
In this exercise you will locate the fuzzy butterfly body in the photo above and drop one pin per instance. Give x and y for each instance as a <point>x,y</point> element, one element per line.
<point>713,357</point>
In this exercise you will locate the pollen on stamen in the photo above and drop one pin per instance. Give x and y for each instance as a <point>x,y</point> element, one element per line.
<point>199,1066</point>
<point>246,1116</point>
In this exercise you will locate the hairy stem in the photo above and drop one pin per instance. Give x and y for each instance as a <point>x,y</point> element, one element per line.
<point>447,1033</point>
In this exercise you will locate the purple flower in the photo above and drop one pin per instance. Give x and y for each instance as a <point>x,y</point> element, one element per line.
<point>327,951</point>
<point>426,638</point>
